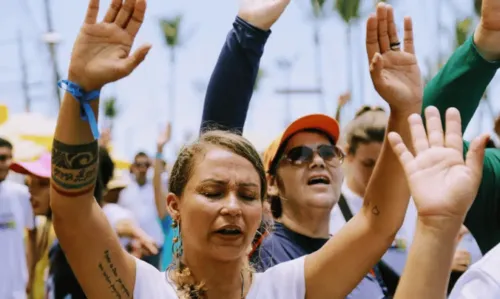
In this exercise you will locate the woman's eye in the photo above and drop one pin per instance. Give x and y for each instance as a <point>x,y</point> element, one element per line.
<point>212,194</point>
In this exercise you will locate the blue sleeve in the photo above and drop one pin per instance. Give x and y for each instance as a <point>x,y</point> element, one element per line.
<point>231,84</point>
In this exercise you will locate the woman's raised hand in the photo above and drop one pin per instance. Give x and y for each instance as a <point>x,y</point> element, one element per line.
<point>102,51</point>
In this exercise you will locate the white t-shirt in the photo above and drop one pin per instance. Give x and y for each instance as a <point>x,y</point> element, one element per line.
<point>284,281</point>
<point>115,214</point>
<point>16,215</point>
<point>140,200</point>
<point>482,280</point>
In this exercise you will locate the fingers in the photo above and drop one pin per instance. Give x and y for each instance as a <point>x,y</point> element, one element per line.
<point>137,17</point>
<point>453,134</point>
<point>114,8</point>
<point>125,13</point>
<point>372,46</point>
<point>475,155</point>
<point>408,36</point>
<point>419,137</point>
<point>131,62</point>
<point>405,157</point>
<point>434,127</point>
<point>383,36</point>
<point>92,12</point>
<point>393,33</point>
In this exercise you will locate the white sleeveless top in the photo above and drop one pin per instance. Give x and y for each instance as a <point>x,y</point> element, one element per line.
<point>284,281</point>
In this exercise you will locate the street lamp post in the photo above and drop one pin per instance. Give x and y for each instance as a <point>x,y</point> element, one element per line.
<point>52,39</point>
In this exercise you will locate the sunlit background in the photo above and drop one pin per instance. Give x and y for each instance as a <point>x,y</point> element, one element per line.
<point>311,58</point>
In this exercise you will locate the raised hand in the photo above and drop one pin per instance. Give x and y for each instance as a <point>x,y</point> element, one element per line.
<point>441,182</point>
<point>394,72</point>
<point>101,53</point>
<point>262,13</point>
<point>344,99</point>
<point>164,137</point>
<point>487,34</point>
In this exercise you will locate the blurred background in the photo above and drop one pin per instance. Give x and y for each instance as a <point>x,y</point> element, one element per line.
<point>315,53</point>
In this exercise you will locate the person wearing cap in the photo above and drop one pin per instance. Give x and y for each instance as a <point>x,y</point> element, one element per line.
<point>16,216</point>
<point>38,181</point>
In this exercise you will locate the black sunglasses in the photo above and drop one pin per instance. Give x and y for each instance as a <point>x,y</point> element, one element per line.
<point>4,158</point>
<point>305,154</point>
<point>142,164</point>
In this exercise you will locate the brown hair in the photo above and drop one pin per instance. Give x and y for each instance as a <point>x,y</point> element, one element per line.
<point>181,173</point>
<point>368,125</point>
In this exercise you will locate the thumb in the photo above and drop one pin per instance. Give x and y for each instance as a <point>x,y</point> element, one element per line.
<point>376,66</point>
<point>131,62</point>
<point>475,155</point>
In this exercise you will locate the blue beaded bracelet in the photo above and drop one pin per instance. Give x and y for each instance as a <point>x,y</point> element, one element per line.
<point>84,99</point>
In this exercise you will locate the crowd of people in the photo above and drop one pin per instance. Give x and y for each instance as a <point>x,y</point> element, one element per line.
<point>392,204</point>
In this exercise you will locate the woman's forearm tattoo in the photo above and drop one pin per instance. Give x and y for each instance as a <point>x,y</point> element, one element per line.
<point>74,167</point>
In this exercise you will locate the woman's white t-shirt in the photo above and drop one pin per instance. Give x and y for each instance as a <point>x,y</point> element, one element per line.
<point>284,281</point>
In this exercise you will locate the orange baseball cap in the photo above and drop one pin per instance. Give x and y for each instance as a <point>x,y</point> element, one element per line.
<point>321,122</point>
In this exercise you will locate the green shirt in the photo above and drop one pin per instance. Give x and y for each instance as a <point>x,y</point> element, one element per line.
<point>461,83</point>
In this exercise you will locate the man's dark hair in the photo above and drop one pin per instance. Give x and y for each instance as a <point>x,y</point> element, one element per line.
<point>5,143</point>
<point>140,154</point>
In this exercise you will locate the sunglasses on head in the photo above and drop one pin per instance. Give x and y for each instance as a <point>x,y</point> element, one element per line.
<point>4,158</point>
<point>305,154</point>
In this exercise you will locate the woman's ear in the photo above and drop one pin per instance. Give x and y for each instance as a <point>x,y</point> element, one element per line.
<point>173,206</point>
<point>272,186</point>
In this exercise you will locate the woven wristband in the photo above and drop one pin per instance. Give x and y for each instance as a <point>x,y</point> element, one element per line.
<point>83,99</point>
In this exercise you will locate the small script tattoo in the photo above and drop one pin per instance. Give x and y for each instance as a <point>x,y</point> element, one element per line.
<point>376,211</point>
<point>110,274</point>
<point>74,167</point>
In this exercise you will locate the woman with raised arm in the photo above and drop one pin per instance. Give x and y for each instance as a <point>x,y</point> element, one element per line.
<point>443,186</point>
<point>217,188</point>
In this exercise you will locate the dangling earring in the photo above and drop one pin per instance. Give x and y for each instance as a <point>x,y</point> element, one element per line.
<point>176,241</point>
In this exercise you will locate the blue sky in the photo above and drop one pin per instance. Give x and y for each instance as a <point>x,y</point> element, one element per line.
<point>142,97</point>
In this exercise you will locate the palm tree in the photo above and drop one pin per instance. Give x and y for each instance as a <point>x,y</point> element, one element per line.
<point>110,111</point>
<point>171,33</point>
<point>318,17</point>
<point>349,12</point>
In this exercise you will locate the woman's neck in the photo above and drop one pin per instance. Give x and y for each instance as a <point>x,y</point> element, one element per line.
<point>222,279</point>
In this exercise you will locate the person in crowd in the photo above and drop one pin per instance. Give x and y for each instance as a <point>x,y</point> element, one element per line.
<point>16,215</point>
<point>160,176</point>
<point>142,199</point>
<point>132,237</point>
<point>475,62</point>
<point>239,59</point>
<point>443,185</point>
<point>38,180</point>
<point>216,190</point>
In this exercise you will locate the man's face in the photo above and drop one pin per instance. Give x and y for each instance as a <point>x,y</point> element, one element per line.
<point>140,167</point>
<point>5,161</point>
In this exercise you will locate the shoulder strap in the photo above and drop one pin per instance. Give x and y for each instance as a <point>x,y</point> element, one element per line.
<point>344,208</point>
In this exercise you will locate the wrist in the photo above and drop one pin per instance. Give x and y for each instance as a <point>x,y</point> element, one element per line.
<point>159,154</point>
<point>86,85</point>
<point>446,227</point>
<point>486,43</point>
<point>402,114</point>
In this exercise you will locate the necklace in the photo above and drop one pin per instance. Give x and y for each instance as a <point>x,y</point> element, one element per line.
<point>242,285</point>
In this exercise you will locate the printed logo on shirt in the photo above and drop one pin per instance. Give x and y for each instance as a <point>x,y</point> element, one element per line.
<point>7,221</point>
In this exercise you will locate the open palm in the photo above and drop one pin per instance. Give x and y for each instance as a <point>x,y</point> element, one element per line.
<point>101,53</point>
<point>441,182</point>
<point>262,13</point>
<point>395,73</point>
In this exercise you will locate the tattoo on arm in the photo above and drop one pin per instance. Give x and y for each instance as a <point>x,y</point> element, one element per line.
<point>113,280</point>
<point>74,167</point>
